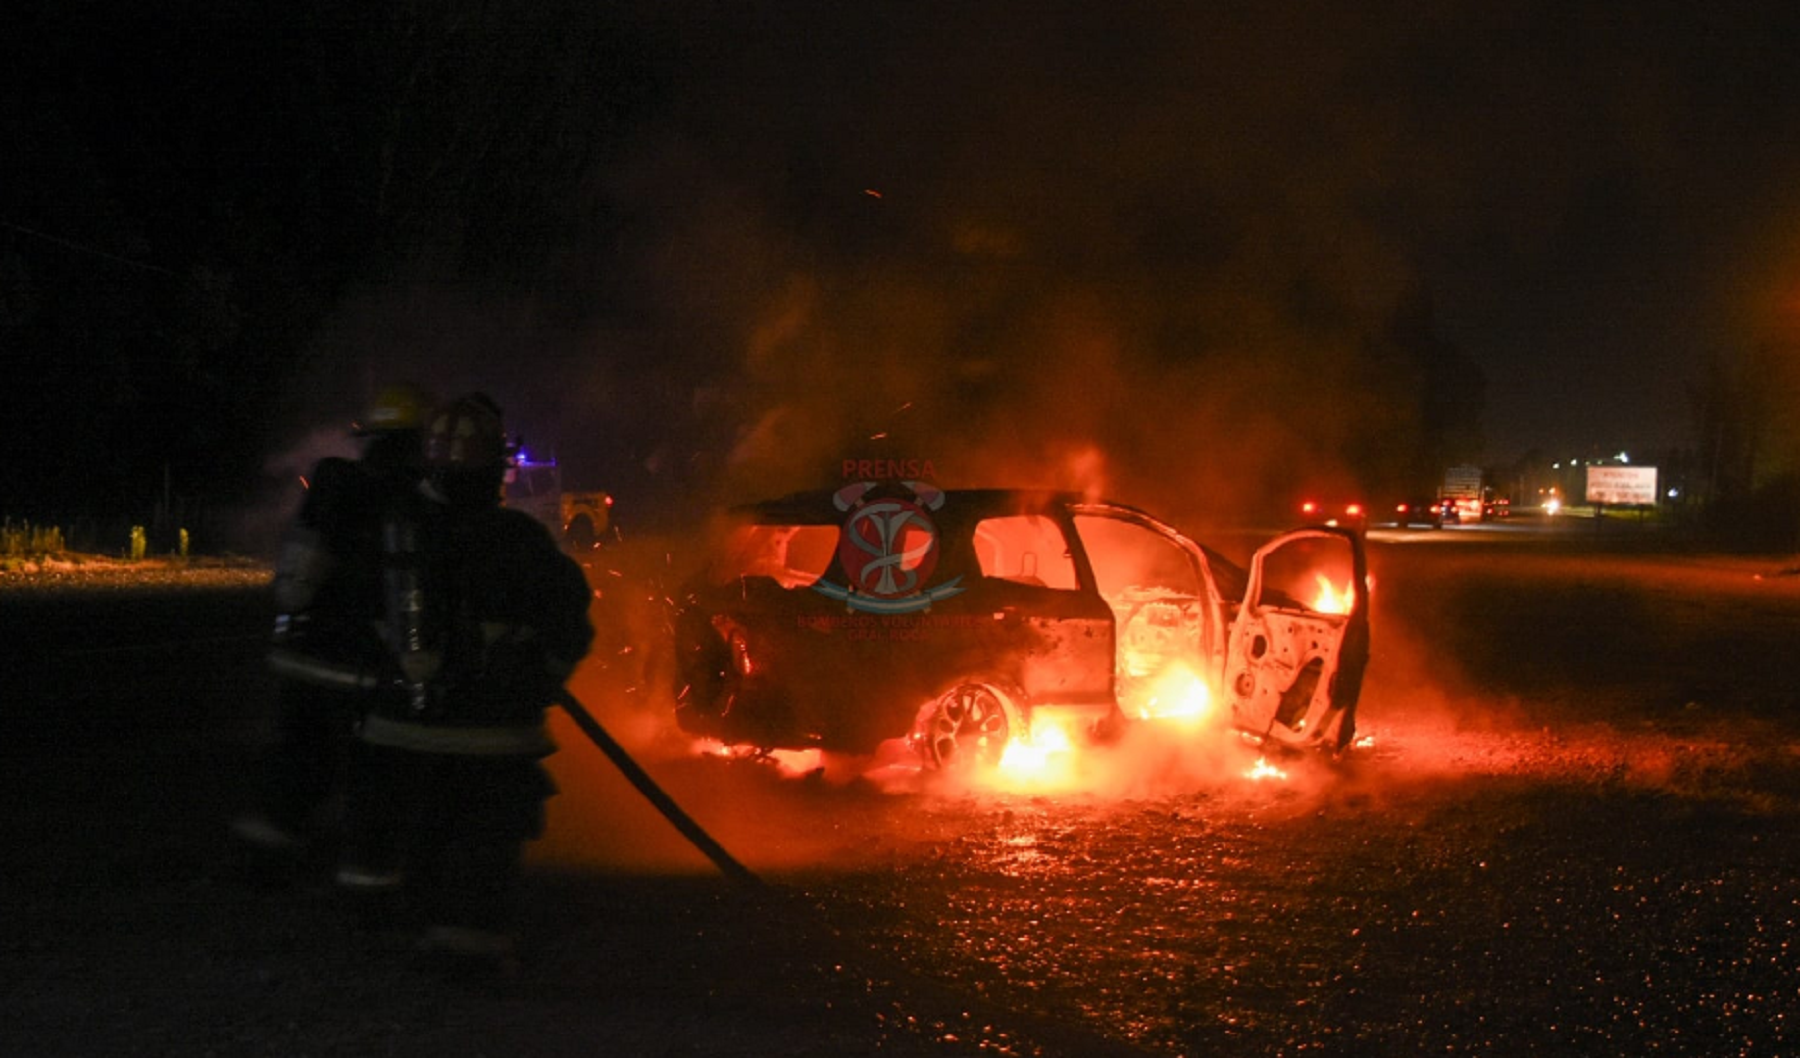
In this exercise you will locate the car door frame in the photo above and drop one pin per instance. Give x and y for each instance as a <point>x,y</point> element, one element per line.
<point>1272,646</point>
<point>1210,652</point>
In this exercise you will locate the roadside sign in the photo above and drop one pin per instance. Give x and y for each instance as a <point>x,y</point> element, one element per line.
<point>1629,486</point>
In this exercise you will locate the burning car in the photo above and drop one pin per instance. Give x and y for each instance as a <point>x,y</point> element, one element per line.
<point>963,621</point>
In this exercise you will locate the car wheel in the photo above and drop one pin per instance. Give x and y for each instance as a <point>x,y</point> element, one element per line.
<point>580,535</point>
<point>966,726</point>
<point>711,663</point>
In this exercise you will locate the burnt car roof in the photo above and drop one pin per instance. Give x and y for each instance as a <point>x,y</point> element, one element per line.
<point>819,505</point>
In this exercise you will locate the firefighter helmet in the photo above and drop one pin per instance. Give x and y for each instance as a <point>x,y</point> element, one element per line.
<point>395,409</point>
<point>466,434</point>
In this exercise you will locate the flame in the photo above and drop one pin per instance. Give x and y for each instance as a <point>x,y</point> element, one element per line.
<point>788,763</point>
<point>1035,751</point>
<point>1262,769</point>
<point>1330,599</point>
<point>1177,693</point>
<point>1039,759</point>
<point>794,763</point>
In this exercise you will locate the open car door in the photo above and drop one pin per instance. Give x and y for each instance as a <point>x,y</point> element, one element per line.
<point>1299,643</point>
<point>1167,608</point>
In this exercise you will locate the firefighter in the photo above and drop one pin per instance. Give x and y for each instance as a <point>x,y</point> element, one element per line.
<point>326,652</point>
<point>485,618</point>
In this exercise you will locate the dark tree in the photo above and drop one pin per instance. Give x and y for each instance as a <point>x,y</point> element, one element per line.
<point>191,192</point>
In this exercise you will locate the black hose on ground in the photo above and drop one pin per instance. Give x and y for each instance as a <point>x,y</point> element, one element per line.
<point>656,795</point>
<point>900,983</point>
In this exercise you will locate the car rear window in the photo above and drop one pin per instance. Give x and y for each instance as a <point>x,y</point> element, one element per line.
<point>796,556</point>
<point>1127,556</point>
<point>1025,549</point>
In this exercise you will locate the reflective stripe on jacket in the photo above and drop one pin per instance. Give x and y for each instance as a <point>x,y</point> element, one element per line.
<point>506,741</point>
<point>320,672</point>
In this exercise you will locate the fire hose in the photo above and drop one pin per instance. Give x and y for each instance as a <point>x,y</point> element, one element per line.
<point>655,794</point>
<point>896,976</point>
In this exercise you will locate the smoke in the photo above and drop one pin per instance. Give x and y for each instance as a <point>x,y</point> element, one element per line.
<point>1158,251</point>
<point>1150,254</point>
<point>1143,265</point>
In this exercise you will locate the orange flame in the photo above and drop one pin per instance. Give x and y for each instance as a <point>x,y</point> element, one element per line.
<point>1262,769</point>
<point>1035,752</point>
<point>1041,758</point>
<point>788,763</point>
<point>1177,693</point>
<point>1330,599</point>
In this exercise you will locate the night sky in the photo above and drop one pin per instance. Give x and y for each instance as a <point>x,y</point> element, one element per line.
<point>1178,252</point>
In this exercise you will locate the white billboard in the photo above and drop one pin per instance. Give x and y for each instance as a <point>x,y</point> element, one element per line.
<point>1622,485</point>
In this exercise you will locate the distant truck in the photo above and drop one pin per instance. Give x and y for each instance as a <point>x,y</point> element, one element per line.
<point>1465,497</point>
<point>579,520</point>
<point>1461,493</point>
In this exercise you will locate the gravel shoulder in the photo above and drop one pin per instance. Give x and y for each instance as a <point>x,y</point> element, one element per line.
<point>1571,830</point>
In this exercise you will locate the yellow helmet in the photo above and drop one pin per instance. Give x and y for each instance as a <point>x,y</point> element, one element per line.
<point>467,435</point>
<point>395,409</point>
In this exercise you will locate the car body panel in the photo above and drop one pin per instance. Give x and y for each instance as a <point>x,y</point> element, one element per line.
<point>1293,671</point>
<point>810,670</point>
<point>1164,592</point>
<point>1051,601</point>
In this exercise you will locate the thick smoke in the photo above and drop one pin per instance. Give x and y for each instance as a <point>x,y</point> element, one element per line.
<point>1205,259</point>
<point>1095,272</point>
<point>1160,254</point>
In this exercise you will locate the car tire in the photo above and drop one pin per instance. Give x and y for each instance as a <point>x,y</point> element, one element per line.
<point>580,534</point>
<point>968,726</point>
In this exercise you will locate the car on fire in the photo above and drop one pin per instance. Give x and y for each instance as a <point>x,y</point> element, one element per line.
<point>962,620</point>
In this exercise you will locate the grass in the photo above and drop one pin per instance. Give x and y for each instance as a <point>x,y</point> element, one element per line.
<point>24,541</point>
<point>25,546</point>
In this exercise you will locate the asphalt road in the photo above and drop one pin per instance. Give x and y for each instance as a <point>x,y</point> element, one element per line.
<point>1571,829</point>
